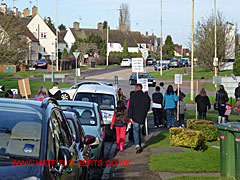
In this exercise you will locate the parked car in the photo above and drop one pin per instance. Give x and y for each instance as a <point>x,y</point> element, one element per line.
<point>38,131</point>
<point>42,63</point>
<point>187,62</point>
<point>165,64</point>
<point>175,63</point>
<point>184,62</point>
<point>89,116</point>
<point>133,79</point>
<point>68,93</point>
<point>151,61</point>
<point>126,62</point>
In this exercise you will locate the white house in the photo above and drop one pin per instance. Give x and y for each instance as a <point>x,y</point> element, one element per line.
<point>230,40</point>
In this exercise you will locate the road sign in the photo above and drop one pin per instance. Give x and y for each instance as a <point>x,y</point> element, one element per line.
<point>137,65</point>
<point>76,54</point>
<point>15,91</point>
<point>145,54</point>
<point>215,62</point>
<point>178,78</point>
<point>2,88</point>
<point>217,80</point>
<point>24,87</point>
<point>144,82</point>
<point>116,80</point>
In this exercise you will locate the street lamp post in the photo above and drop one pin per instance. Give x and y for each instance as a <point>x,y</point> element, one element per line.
<point>161,44</point>
<point>107,59</point>
<point>215,40</point>
<point>57,68</point>
<point>192,60</point>
<point>52,60</point>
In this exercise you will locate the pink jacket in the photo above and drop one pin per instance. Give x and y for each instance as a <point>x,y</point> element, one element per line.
<point>238,106</point>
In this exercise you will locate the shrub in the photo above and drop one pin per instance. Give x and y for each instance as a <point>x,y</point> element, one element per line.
<point>100,60</point>
<point>187,138</point>
<point>114,59</point>
<point>236,64</point>
<point>208,129</point>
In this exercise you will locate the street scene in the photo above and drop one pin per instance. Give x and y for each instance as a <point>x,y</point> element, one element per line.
<point>119,90</point>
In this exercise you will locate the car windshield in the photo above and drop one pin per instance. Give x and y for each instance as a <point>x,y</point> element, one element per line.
<point>144,75</point>
<point>42,60</point>
<point>105,101</point>
<point>20,131</point>
<point>174,60</point>
<point>86,115</point>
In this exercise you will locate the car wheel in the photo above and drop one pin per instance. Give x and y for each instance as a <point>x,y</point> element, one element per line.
<point>65,96</point>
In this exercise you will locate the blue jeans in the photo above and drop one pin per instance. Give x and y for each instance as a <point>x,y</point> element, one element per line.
<point>170,117</point>
<point>137,133</point>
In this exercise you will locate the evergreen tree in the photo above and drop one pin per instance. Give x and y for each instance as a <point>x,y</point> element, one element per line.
<point>73,49</point>
<point>105,25</point>
<point>125,50</point>
<point>168,48</point>
<point>64,53</point>
<point>236,64</point>
<point>62,27</point>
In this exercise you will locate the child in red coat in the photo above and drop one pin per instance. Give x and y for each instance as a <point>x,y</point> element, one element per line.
<point>120,121</point>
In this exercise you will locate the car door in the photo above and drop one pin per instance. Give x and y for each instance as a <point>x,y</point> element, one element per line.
<point>72,171</point>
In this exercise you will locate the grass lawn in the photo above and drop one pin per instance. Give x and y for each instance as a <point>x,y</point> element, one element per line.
<point>199,73</point>
<point>34,85</point>
<point>188,161</point>
<point>200,178</point>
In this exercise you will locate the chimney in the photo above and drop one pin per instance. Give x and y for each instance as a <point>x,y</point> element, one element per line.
<point>15,11</point>
<point>34,10</point>
<point>26,12</point>
<point>146,33</point>
<point>100,26</point>
<point>3,8</point>
<point>76,26</point>
<point>123,27</point>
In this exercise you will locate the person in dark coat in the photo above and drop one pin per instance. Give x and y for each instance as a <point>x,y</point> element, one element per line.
<point>120,121</point>
<point>222,99</point>
<point>157,99</point>
<point>203,104</point>
<point>237,92</point>
<point>137,113</point>
<point>55,92</point>
<point>130,131</point>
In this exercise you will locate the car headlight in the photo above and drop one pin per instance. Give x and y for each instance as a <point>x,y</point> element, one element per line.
<point>31,178</point>
<point>154,80</point>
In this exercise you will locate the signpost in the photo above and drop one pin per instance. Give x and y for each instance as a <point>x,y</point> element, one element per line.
<point>2,88</point>
<point>145,56</point>
<point>76,54</point>
<point>52,59</point>
<point>116,80</point>
<point>24,87</point>
<point>178,81</point>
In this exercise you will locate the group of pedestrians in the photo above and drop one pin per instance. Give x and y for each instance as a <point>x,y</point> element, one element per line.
<point>53,93</point>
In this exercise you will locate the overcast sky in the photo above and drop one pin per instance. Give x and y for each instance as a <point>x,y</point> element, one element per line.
<point>177,14</point>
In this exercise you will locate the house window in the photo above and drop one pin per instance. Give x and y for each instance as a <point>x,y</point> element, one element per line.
<point>43,35</point>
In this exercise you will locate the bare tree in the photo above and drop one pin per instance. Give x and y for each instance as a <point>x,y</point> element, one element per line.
<point>204,40</point>
<point>124,17</point>
<point>13,42</point>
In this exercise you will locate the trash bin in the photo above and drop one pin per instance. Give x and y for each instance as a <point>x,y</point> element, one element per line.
<point>93,64</point>
<point>237,151</point>
<point>227,150</point>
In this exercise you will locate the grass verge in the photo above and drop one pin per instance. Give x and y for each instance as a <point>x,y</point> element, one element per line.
<point>188,161</point>
<point>34,85</point>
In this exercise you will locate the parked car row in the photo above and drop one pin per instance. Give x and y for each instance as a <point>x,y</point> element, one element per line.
<point>177,63</point>
<point>165,65</point>
<point>68,131</point>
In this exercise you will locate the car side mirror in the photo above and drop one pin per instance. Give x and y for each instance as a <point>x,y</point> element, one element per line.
<point>88,139</point>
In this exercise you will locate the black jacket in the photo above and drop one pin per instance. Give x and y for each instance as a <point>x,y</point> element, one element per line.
<point>138,107</point>
<point>237,92</point>
<point>222,97</point>
<point>55,93</point>
<point>157,97</point>
<point>203,103</point>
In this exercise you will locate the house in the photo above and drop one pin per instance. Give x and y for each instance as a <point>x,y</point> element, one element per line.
<point>178,50</point>
<point>152,42</point>
<point>140,40</point>
<point>116,37</point>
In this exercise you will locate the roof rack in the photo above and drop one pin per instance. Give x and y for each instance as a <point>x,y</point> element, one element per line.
<point>46,102</point>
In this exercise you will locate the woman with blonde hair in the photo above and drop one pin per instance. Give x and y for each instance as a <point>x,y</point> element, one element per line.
<point>203,104</point>
<point>42,94</point>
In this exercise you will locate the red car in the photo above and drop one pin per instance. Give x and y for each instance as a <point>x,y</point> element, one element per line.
<point>42,63</point>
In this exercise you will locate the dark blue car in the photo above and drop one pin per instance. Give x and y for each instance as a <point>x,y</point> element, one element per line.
<point>38,132</point>
<point>133,79</point>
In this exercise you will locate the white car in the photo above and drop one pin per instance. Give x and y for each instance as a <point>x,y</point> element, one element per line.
<point>126,63</point>
<point>68,93</point>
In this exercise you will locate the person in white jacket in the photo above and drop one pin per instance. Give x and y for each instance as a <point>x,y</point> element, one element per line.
<point>55,92</point>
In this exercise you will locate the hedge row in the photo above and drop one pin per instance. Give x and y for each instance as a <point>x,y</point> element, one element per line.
<point>187,138</point>
<point>210,132</point>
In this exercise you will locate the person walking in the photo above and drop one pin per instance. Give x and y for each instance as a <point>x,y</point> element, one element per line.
<point>55,92</point>
<point>238,108</point>
<point>221,99</point>
<point>237,92</point>
<point>120,121</point>
<point>42,94</point>
<point>130,130</point>
<point>157,99</point>
<point>169,102</point>
<point>121,97</point>
<point>138,108</point>
<point>203,104</point>
<point>182,109</point>
<point>162,88</point>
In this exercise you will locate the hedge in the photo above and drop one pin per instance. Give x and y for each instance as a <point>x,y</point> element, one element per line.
<point>208,129</point>
<point>187,138</point>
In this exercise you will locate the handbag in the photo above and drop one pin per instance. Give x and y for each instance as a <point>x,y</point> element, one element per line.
<point>216,105</point>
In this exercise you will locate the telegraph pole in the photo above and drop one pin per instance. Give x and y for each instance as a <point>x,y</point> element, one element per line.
<point>215,42</point>
<point>57,35</point>
<point>192,60</point>
<point>161,45</point>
